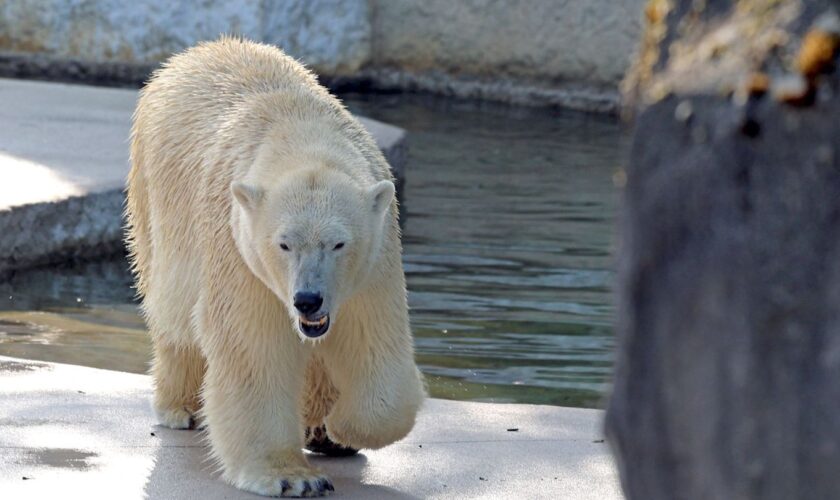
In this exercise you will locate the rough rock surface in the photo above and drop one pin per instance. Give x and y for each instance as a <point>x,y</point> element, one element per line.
<point>726,382</point>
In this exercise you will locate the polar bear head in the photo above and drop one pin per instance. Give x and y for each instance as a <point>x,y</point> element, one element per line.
<point>312,236</point>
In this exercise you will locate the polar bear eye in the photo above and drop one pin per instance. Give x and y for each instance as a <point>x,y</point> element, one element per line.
<point>338,246</point>
<point>284,246</point>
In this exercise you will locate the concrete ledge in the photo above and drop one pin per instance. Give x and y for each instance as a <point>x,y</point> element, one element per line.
<point>64,162</point>
<point>67,431</point>
<point>582,96</point>
<point>579,96</point>
<point>80,227</point>
<point>70,70</point>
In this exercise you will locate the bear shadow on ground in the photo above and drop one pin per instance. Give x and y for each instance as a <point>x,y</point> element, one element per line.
<point>182,466</point>
<point>347,476</point>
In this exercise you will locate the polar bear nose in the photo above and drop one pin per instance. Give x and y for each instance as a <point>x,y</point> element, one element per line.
<point>308,302</point>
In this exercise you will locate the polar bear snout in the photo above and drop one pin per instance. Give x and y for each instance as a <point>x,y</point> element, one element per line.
<point>312,322</point>
<point>308,303</point>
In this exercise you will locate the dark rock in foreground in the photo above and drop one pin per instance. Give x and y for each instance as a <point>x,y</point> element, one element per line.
<point>728,374</point>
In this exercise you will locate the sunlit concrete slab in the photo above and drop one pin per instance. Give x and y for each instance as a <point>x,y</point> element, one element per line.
<point>63,164</point>
<point>76,134</point>
<point>74,432</point>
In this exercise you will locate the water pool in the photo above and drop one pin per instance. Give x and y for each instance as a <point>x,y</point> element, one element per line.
<point>507,217</point>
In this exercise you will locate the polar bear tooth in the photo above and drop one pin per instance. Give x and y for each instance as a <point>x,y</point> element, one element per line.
<point>319,322</point>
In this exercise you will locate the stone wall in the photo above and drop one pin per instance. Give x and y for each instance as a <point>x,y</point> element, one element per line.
<point>569,52</point>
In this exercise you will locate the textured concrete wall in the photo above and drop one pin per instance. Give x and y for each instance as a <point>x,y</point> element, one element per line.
<point>539,40</point>
<point>562,52</point>
<point>331,35</point>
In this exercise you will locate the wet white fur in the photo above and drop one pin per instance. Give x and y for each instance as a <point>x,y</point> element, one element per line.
<point>234,147</point>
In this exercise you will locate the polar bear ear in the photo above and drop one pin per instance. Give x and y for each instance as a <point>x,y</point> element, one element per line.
<point>380,195</point>
<point>247,196</point>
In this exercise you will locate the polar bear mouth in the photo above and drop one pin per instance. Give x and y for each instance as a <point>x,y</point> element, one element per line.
<point>314,328</point>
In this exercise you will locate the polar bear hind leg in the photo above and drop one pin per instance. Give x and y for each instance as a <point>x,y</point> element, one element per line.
<point>178,372</point>
<point>319,394</point>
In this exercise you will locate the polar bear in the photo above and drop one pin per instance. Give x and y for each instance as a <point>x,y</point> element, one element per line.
<point>262,231</point>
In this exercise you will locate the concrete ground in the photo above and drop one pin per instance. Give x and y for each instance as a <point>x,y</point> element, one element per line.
<point>63,164</point>
<point>75,432</point>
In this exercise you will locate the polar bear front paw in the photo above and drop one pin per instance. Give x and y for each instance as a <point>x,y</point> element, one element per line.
<point>291,482</point>
<point>175,418</point>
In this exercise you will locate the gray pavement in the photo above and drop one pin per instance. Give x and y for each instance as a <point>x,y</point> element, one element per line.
<point>63,163</point>
<point>75,432</point>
